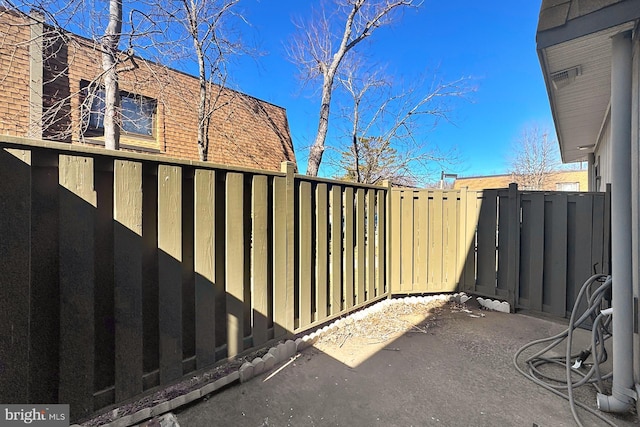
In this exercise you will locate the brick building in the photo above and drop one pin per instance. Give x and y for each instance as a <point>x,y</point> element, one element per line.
<point>50,88</point>
<point>571,180</point>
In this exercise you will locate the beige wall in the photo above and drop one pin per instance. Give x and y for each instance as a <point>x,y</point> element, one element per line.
<point>503,181</point>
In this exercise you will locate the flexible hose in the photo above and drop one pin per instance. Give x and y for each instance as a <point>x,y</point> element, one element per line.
<point>600,333</point>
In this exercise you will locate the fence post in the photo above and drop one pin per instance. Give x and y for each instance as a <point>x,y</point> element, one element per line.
<point>606,254</point>
<point>462,240</point>
<point>513,260</point>
<point>387,241</point>
<point>289,169</point>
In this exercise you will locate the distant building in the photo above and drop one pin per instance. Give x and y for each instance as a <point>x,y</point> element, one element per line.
<point>51,88</point>
<point>575,180</point>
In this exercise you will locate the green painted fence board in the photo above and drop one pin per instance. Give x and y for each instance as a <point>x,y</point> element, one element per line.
<point>336,294</point>
<point>77,284</point>
<point>322,250</point>
<point>371,245</point>
<point>127,250</point>
<point>205,267</point>
<point>235,263</point>
<point>260,259</point>
<point>305,262</point>
<point>170,271</point>
<point>15,259</point>
<point>360,246</point>
<point>406,275</point>
<point>282,299</point>
<point>349,245</point>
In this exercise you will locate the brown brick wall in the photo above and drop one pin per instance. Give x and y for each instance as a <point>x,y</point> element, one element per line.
<point>14,75</point>
<point>244,131</point>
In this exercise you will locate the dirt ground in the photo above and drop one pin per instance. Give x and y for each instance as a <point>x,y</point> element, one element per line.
<point>405,365</point>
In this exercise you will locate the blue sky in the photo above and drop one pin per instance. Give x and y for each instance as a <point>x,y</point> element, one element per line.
<point>491,42</point>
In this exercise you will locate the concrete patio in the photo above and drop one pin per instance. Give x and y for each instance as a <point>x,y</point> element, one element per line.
<point>459,372</point>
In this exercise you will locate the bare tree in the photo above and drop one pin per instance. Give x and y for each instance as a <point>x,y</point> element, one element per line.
<point>319,49</point>
<point>207,26</point>
<point>55,98</point>
<point>387,132</point>
<point>534,158</point>
<point>110,43</point>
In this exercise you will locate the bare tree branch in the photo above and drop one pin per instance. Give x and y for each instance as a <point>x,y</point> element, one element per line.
<point>316,54</point>
<point>386,136</point>
<point>534,158</point>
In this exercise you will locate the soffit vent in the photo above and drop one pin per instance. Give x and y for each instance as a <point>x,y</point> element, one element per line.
<point>563,78</point>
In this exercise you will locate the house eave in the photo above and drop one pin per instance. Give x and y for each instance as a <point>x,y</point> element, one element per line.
<point>567,40</point>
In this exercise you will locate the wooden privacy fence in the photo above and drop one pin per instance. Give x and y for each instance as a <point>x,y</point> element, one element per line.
<point>122,272</point>
<point>532,249</point>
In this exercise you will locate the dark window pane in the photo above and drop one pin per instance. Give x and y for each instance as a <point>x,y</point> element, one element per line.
<point>137,115</point>
<point>96,116</point>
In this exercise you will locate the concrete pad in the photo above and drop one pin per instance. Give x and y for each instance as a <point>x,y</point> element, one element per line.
<point>460,373</point>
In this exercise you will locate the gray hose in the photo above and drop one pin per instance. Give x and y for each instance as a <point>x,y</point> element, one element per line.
<point>600,333</point>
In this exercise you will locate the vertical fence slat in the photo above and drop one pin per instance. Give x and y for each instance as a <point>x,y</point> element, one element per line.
<point>532,249</point>
<point>555,249</point>
<point>45,280</point>
<point>472,211</point>
<point>606,255</point>
<point>282,301</point>
<point>349,290</point>
<point>396,239</point>
<point>127,235</point>
<point>597,232</point>
<point>486,246</point>
<point>322,249</point>
<point>461,245</point>
<point>581,251</point>
<point>289,168</point>
<point>436,234</point>
<point>336,249</point>
<point>104,328</point>
<point>235,263</point>
<point>259,257</point>
<point>188,270</point>
<point>204,267</point>
<point>422,235</point>
<point>513,245</point>
<point>504,235</point>
<point>150,291</point>
<point>406,275</point>
<point>360,246</point>
<point>77,281</point>
<point>304,254</point>
<point>170,271</point>
<point>381,242</point>
<point>15,256</point>
<point>371,246</point>
<point>449,283</point>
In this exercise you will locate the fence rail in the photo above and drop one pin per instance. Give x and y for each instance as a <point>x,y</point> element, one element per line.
<point>122,272</point>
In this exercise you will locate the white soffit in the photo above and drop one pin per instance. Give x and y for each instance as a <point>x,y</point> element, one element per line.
<point>580,104</point>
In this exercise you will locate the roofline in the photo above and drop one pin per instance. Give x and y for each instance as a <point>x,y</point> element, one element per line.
<point>510,174</point>
<point>602,19</point>
<point>92,42</point>
<point>552,104</point>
